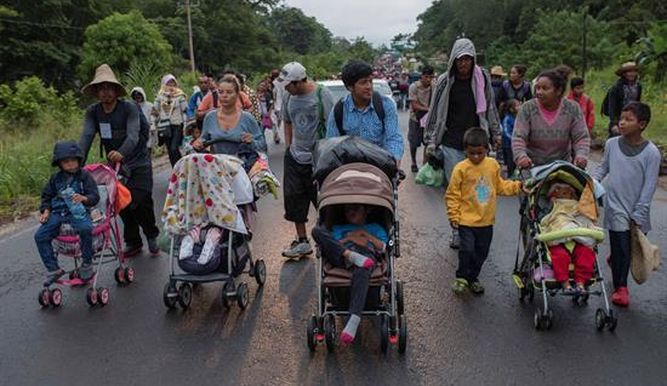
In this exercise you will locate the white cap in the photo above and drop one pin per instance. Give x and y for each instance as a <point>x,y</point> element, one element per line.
<point>292,72</point>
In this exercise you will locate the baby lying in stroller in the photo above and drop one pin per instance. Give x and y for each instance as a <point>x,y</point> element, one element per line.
<point>357,245</point>
<point>574,237</point>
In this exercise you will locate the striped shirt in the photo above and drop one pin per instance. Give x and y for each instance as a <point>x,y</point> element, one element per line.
<point>546,139</point>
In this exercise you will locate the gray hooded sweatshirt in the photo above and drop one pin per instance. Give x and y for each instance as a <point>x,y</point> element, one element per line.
<point>146,106</point>
<point>437,121</point>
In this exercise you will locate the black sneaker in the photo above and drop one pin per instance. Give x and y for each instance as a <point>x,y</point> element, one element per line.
<point>53,276</point>
<point>132,251</point>
<point>414,168</point>
<point>153,247</point>
<point>476,287</point>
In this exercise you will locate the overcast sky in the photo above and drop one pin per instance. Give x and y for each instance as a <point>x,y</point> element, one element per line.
<point>376,20</point>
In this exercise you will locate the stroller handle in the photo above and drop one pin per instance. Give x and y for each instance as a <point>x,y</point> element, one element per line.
<point>219,140</point>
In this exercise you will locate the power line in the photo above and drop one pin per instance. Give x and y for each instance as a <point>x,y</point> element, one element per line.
<point>63,26</point>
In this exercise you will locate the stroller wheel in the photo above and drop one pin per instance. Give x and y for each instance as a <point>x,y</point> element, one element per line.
<point>384,333</point>
<point>227,288</point>
<point>311,333</point>
<point>91,297</point>
<point>242,298</point>
<point>330,332</point>
<point>103,296</point>
<point>537,319</point>
<point>612,321</point>
<point>119,275</point>
<point>56,297</point>
<point>600,319</point>
<point>548,319</point>
<point>129,274</point>
<point>400,305</point>
<point>402,334</point>
<point>170,295</point>
<point>259,272</point>
<point>185,295</point>
<point>43,297</point>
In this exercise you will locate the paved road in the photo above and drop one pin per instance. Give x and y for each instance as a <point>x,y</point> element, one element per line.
<point>457,341</point>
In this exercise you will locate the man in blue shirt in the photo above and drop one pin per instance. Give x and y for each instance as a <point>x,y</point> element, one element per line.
<point>205,85</point>
<point>359,114</point>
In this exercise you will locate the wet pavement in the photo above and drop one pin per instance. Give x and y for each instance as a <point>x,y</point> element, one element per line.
<point>452,340</point>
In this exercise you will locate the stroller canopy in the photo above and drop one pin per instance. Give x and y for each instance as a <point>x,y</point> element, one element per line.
<point>201,192</point>
<point>332,153</point>
<point>357,183</point>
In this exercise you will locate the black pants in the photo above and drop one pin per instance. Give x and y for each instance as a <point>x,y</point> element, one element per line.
<point>298,189</point>
<point>173,141</point>
<point>332,251</point>
<point>620,257</point>
<point>473,251</point>
<point>415,138</point>
<point>508,156</point>
<point>139,214</point>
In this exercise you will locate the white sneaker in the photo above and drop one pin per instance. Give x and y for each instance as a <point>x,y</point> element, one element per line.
<point>298,249</point>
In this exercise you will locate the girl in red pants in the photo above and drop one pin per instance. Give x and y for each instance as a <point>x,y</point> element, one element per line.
<point>578,250</point>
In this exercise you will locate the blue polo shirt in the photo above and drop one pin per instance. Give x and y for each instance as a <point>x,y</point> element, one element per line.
<point>366,124</point>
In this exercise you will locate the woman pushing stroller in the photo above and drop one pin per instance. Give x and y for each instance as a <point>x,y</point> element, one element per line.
<point>357,245</point>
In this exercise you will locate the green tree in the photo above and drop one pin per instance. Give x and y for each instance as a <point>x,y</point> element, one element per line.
<point>653,50</point>
<point>121,40</point>
<point>297,32</point>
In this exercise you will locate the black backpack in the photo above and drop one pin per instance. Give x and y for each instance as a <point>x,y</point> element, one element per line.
<point>377,105</point>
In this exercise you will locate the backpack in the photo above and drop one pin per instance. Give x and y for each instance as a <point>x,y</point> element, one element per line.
<point>604,108</point>
<point>377,105</point>
<point>514,94</point>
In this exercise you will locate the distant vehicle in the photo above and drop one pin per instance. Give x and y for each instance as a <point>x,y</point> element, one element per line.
<point>338,90</point>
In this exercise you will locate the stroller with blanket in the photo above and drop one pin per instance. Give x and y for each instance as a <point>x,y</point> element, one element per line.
<point>207,214</point>
<point>372,183</point>
<point>107,245</point>
<point>552,227</point>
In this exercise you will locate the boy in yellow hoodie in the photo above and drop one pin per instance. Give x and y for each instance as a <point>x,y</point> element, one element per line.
<point>471,207</point>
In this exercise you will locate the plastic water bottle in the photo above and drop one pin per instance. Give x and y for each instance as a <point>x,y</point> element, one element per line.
<point>77,209</point>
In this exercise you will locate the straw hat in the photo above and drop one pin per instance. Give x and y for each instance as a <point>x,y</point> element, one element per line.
<point>625,67</point>
<point>103,74</point>
<point>498,71</point>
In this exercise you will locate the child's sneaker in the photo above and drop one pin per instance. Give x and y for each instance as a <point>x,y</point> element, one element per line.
<point>53,276</point>
<point>476,287</point>
<point>460,285</point>
<point>621,297</point>
<point>86,272</point>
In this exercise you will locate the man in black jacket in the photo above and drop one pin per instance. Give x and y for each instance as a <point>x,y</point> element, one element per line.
<point>627,89</point>
<point>123,133</point>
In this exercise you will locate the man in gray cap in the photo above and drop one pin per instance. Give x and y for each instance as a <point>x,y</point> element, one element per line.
<point>304,113</point>
<point>123,131</point>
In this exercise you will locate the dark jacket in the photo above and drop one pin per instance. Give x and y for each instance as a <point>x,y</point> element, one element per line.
<point>615,101</point>
<point>81,182</point>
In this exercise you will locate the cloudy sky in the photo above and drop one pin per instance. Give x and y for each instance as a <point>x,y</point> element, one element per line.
<point>377,20</point>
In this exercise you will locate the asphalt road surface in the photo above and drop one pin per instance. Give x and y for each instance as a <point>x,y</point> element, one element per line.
<point>487,340</point>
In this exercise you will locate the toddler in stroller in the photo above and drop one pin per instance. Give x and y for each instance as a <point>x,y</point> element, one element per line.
<point>565,215</point>
<point>355,245</point>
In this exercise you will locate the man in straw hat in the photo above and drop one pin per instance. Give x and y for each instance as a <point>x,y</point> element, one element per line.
<point>498,75</point>
<point>627,89</point>
<point>123,131</point>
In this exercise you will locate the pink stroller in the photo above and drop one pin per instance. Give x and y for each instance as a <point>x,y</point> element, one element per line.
<point>106,244</point>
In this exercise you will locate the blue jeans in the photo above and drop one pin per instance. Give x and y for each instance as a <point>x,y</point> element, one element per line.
<point>50,230</point>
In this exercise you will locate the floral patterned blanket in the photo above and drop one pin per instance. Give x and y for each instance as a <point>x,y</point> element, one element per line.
<point>200,192</point>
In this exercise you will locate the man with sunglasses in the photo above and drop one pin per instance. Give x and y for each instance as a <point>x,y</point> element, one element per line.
<point>304,111</point>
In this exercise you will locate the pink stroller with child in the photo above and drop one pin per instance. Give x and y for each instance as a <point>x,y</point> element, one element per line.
<point>106,244</point>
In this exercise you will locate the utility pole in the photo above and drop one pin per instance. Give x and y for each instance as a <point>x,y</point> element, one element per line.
<point>192,49</point>
<point>584,60</point>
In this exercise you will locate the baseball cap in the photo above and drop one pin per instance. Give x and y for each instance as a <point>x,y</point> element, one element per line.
<point>292,72</point>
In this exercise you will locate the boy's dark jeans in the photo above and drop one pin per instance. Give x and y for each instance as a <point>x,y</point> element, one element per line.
<point>620,257</point>
<point>332,251</point>
<point>50,230</point>
<point>473,251</point>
